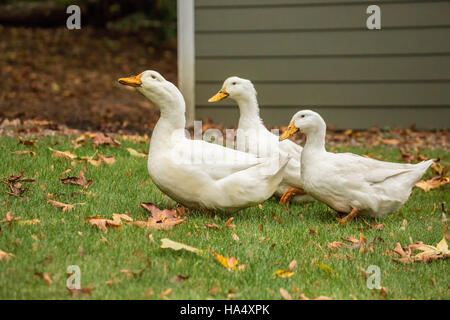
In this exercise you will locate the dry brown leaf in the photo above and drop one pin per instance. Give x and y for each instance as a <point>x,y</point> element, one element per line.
<point>213,291</point>
<point>164,294</point>
<point>9,218</point>
<point>161,219</point>
<point>63,154</point>
<point>26,142</point>
<point>64,206</point>
<point>5,255</point>
<point>103,224</point>
<point>102,160</point>
<point>428,254</point>
<point>293,265</point>
<point>29,222</point>
<point>15,191</point>
<point>100,139</point>
<point>285,294</point>
<point>44,276</point>
<point>179,279</point>
<point>32,153</point>
<point>86,291</point>
<point>432,183</point>
<point>212,226</point>
<point>228,223</point>
<point>81,180</point>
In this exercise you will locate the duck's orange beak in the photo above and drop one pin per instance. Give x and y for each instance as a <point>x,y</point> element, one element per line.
<point>134,81</point>
<point>222,94</point>
<point>291,129</point>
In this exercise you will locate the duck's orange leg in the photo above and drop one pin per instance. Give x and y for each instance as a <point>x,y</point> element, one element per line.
<point>348,217</point>
<point>286,197</point>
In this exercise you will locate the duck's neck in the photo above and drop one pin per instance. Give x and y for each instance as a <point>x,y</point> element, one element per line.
<point>315,141</point>
<point>249,113</point>
<point>171,124</point>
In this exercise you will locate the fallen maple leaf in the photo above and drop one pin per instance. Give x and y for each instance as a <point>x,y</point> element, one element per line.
<point>26,142</point>
<point>81,180</point>
<point>170,244</point>
<point>19,178</point>
<point>293,265</point>
<point>228,262</point>
<point>14,191</point>
<point>32,153</point>
<point>86,291</point>
<point>285,294</point>
<point>9,218</point>
<point>63,154</point>
<point>64,206</point>
<point>99,139</point>
<point>213,291</point>
<point>103,223</point>
<point>228,223</point>
<point>212,226</point>
<point>161,219</point>
<point>429,253</point>
<point>432,183</point>
<point>44,276</point>
<point>5,255</point>
<point>179,279</point>
<point>164,294</point>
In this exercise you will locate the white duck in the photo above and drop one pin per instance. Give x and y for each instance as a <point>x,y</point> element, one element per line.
<point>255,138</point>
<point>347,182</point>
<point>196,173</point>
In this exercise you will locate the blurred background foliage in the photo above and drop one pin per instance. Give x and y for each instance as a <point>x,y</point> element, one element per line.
<point>124,16</point>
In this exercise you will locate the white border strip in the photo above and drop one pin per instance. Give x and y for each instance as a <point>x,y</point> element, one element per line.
<point>186,56</point>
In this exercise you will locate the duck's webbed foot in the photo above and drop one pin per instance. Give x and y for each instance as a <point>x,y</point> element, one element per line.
<point>347,218</point>
<point>286,197</point>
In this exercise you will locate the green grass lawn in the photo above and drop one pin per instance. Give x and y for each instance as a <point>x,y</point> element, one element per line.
<point>303,234</point>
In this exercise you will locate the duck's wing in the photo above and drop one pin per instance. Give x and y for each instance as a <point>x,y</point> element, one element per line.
<point>370,170</point>
<point>214,160</point>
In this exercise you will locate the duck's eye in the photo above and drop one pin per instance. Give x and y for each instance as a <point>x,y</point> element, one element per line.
<point>153,77</point>
<point>303,115</point>
<point>233,83</point>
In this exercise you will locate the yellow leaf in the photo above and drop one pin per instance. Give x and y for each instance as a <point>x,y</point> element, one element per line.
<point>28,222</point>
<point>327,269</point>
<point>135,153</point>
<point>229,263</point>
<point>283,273</point>
<point>442,246</point>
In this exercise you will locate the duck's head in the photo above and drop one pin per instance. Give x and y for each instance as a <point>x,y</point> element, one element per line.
<point>236,88</point>
<point>306,121</point>
<point>153,86</point>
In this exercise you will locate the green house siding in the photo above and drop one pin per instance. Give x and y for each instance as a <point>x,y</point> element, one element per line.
<point>318,54</point>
